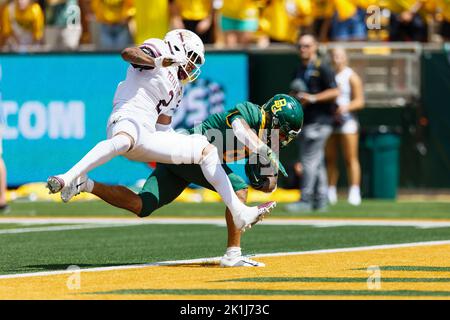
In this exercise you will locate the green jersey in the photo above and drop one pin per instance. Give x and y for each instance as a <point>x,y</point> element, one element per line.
<point>217,128</point>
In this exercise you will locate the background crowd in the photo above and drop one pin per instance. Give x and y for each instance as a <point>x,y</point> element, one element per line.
<point>114,24</point>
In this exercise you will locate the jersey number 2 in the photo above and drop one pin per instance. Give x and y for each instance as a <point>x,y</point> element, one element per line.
<point>164,103</point>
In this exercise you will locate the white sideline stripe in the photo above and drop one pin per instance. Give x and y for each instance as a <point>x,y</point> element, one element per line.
<point>320,223</point>
<point>217,259</point>
<point>61,228</point>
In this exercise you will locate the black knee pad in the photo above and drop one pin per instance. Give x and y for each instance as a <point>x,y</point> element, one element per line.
<point>149,204</point>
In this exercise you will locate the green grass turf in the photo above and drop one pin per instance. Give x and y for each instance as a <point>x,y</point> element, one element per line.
<point>8,226</point>
<point>369,209</point>
<point>44,251</point>
<point>231,292</point>
<point>329,279</point>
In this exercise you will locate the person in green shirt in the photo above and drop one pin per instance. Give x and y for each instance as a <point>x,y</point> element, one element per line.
<point>238,133</point>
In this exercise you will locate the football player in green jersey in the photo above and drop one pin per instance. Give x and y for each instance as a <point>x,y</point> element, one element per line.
<point>238,133</point>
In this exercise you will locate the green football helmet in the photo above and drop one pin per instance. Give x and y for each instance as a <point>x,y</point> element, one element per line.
<point>286,114</point>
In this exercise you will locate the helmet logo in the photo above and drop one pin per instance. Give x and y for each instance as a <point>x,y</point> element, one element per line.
<point>278,105</point>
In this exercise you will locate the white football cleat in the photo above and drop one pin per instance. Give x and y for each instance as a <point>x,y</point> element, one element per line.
<point>239,261</point>
<point>55,184</point>
<point>246,219</point>
<point>74,189</point>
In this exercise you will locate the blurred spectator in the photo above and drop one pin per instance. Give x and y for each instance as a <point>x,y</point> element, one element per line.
<point>348,22</point>
<point>379,14</point>
<point>322,11</point>
<point>3,3</point>
<point>406,23</point>
<point>150,22</point>
<point>86,18</point>
<point>281,20</point>
<point>63,24</point>
<point>194,15</point>
<point>315,87</point>
<point>345,134</point>
<point>113,17</point>
<point>22,25</point>
<point>444,10</point>
<point>239,21</point>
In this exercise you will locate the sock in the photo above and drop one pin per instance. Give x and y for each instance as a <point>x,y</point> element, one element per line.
<point>100,154</point>
<point>217,177</point>
<point>332,190</point>
<point>233,252</point>
<point>354,189</point>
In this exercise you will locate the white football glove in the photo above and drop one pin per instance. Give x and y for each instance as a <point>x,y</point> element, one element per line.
<point>167,61</point>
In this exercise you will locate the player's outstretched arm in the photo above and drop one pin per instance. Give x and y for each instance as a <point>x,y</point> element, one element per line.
<point>245,135</point>
<point>140,57</point>
<point>136,55</point>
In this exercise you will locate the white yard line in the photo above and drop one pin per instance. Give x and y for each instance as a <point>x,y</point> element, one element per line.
<point>199,220</point>
<point>61,228</point>
<point>320,223</point>
<point>216,259</point>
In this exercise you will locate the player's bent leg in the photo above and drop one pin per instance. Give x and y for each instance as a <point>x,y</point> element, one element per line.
<point>176,148</point>
<point>162,187</point>
<point>233,256</point>
<point>103,152</point>
<point>149,203</point>
<point>118,196</point>
<point>243,216</point>
<point>332,169</point>
<point>234,234</point>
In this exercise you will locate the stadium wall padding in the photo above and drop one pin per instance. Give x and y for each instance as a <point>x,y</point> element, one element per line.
<point>271,73</point>
<point>436,111</point>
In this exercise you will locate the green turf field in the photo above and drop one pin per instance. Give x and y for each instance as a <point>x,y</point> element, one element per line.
<point>57,246</point>
<point>369,209</point>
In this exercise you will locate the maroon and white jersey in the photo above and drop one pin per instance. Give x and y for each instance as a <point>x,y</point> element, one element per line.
<point>147,91</point>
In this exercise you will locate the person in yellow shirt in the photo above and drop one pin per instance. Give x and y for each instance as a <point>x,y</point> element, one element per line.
<point>281,20</point>
<point>348,22</point>
<point>22,24</point>
<point>151,19</point>
<point>195,15</point>
<point>406,22</point>
<point>322,11</point>
<point>443,7</point>
<point>239,20</point>
<point>113,18</point>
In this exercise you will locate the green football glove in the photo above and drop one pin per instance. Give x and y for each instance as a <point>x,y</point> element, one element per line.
<point>276,162</point>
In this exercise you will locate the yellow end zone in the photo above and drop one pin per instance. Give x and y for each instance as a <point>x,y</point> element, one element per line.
<point>420,272</point>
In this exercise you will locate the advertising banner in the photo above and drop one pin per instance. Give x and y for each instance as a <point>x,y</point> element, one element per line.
<point>55,108</point>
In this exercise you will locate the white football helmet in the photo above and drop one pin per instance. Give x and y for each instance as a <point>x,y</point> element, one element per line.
<point>187,46</point>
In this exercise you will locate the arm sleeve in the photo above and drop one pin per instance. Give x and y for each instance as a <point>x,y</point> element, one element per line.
<point>169,112</point>
<point>243,136</point>
<point>164,127</point>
